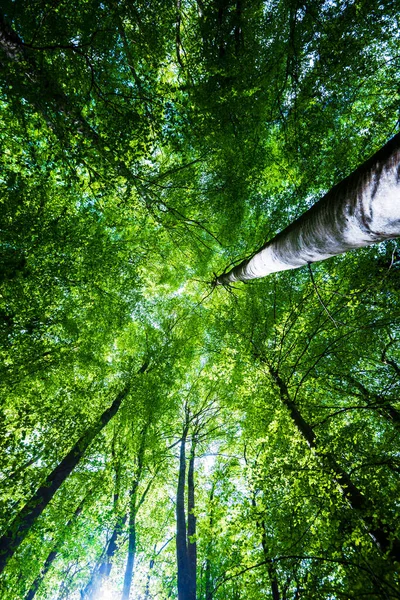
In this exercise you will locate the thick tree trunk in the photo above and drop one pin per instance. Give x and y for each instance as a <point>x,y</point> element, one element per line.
<point>21,525</point>
<point>191,529</point>
<point>181,546</point>
<point>362,209</point>
<point>51,557</point>
<point>376,529</point>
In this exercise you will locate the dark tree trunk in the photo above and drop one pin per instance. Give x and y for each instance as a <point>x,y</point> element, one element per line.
<point>208,579</point>
<point>151,567</point>
<point>376,529</point>
<point>28,515</point>
<point>134,506</point>
<point>272,574</point>
<point>273,578</point>
<point>191,529</point>
<point>51,557</point>
<point>103,570</point>
<point>131,554</point>
<point>181,547</point>
<point>208,575</point>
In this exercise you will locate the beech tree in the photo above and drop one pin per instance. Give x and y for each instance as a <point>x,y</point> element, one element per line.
<point>362,209</point>
<point>145,146</point>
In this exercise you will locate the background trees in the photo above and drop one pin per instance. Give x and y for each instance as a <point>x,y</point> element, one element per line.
<point>143,149</point>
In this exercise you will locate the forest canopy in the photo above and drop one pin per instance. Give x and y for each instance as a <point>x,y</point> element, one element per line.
<point>163,436</point>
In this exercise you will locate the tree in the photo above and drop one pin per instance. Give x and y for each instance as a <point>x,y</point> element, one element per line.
<point>144,146</point>
<point>362,209</point>
<point>185,544</point>
<point>51,557</point>
<point>28,515</point>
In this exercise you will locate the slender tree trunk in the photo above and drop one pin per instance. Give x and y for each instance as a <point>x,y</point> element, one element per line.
<point>104,565</point>
<point>191,529</point>
<point>181,547</point>
<point>51,557</point>
<point>20,527</point>
<point>28,515</point>
<point>133,509</point>
<point>208,574</point>
<point>376,529</point>
<point>208,580</point>
<point>103,568</point>
<point>362,209</point>
<point>271,566</point>
<point>131,553</point>
<point>151,566</point>
<point>272,574</point>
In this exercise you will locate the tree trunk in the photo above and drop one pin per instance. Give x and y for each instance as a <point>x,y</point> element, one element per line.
<point>208,575</point>
<point>362,209</point>
<point>103,570</point>
<point>133,509</point>
<point>104,565</point>
<point>270,564</point>
<point>191,529</point>
<point>181,547</point>
<point>52,556</point>
<point>131,553</point>
<point>148,579</point>
<point>380,534</point>
<point>28,515</point>
<point>272,574</point>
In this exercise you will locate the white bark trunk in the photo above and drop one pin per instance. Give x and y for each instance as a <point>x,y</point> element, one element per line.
<point>361,210</point>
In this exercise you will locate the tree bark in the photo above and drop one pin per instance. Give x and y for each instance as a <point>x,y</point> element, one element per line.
<point>361,210</point>
<point>28,515</point>
<point>208,575</point>
<point>52,556</point>
<point>191,529</point>
<point>271,566</point>
<point>181,546</point>
<point>381,534</point>
<point>103,567</point>
<point>384,407</point>
<point>133,509</point>
<point>103,570</point>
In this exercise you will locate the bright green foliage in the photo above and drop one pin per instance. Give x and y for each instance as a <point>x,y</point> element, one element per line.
<point>144,147</point>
